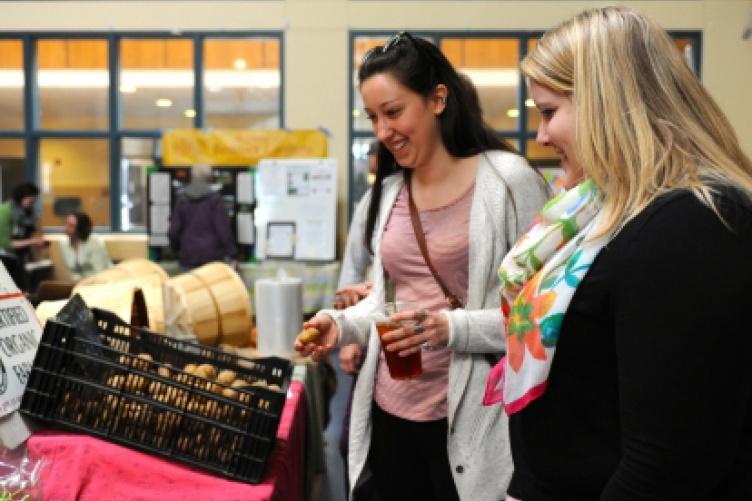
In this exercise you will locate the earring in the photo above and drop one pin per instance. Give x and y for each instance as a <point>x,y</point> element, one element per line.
<point>443,100</point>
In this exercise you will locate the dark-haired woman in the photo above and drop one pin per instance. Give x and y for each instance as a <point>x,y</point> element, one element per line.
<point>18,232</point>
<point>429,437</point>
<point>84,254</point>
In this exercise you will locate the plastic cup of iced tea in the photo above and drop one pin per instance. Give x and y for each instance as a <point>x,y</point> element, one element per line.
<point>400,368</point>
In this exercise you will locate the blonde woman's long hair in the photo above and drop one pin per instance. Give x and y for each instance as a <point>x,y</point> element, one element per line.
<point>644,124</point>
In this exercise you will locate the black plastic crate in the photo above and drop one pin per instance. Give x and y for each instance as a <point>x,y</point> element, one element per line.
<point>100,386</point>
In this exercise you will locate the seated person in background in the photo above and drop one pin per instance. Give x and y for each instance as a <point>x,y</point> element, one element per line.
<point>84,254</point>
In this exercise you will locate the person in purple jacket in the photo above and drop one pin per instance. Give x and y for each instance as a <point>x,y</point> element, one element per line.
<point>199,227</point>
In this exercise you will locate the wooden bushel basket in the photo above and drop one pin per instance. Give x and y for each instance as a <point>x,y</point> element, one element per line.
<point>127,302</point>
<point>128,269</point>
<point>212,302</point>
<point>48,309</point>
<point>190,310</point>
<point>149,285</point>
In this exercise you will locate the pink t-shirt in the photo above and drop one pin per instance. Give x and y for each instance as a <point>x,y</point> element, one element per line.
<point>446,230</point>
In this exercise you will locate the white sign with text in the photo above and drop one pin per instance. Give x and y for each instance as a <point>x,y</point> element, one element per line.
<point>20,332</point>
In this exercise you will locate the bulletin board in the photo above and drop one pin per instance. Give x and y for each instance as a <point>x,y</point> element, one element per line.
<point>296,211</point>
<point>234,184</point>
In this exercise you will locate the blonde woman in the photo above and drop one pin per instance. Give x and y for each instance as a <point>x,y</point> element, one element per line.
<point>627,374</point>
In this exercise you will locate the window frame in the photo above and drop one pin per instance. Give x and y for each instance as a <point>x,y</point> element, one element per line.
<point>32,134</point>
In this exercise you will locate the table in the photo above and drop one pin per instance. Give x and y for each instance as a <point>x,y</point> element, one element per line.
<point>320,382</point>
<point>84,468</point>
<point>319,279</point>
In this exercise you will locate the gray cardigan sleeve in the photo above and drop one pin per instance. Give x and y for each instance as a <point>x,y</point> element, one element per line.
<point>509,195</point>
<point>357,259</point>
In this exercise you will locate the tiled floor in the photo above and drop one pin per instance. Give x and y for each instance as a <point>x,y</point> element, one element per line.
<point>333,483</point>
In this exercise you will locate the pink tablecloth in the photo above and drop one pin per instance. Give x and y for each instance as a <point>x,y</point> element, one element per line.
<point>84,468</point>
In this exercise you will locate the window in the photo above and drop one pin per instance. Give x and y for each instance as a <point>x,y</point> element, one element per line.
<point>82,114</point>
<point>241,83</point>
<point>491,63</point>
<point>71,170</point>
<point>11,165</point>
<point>156,83</point>
<point>11,84</point>
<point>73,84</point>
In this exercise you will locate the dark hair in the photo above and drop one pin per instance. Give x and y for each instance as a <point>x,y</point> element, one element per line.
<point>83,225</point>
<point>23,190</point>
<point>420,67</point>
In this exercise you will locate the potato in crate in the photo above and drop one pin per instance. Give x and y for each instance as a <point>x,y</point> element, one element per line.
<point>182,401</point>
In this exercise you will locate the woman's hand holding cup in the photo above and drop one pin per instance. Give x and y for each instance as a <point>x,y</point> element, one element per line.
<point>396,326</point>
<point>420,330</point>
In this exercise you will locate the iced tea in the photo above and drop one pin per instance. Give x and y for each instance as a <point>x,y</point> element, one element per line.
<point>400,368</point>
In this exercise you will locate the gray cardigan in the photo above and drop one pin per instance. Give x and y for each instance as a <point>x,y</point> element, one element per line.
<point>357,259</point>
<point>508,195</point>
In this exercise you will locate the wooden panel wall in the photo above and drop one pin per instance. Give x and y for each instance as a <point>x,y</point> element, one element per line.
<point>221,54</point>
<point>149,53</point>
<point>11,54</point>
<point>463,53</point>
<point>86,54</point>
<point>481,53</point>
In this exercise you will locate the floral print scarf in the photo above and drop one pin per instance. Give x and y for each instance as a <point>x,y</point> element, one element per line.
<point>538,279</point>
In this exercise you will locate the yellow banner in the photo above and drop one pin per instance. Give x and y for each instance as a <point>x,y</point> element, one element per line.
<point>239,146</point>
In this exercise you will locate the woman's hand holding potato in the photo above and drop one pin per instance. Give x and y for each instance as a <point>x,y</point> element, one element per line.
<point>322,345</point>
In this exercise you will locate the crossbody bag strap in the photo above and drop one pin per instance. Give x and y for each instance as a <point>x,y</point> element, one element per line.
<point>453,300</point>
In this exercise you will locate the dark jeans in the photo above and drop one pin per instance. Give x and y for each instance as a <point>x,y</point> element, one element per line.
<point>409,459</point>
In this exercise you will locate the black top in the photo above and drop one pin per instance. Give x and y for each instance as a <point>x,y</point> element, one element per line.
<point>650,388</point>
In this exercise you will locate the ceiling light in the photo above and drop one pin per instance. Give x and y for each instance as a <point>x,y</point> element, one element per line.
<point>190,113</point>
<point>529,103</point>
<point>485,77</point>
<point>239,64</point>
<point>164,103</point>
<point>513,113</point>
<point>356,113</point>
<point>127,89</point>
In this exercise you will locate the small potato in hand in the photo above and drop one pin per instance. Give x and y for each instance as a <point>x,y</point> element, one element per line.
<point>308,335</point>
<point>318,338</point>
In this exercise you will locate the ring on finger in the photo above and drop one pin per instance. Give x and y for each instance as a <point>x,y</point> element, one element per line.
<point>418,328</point>
<point>423,315</point>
